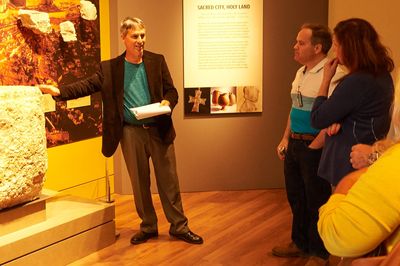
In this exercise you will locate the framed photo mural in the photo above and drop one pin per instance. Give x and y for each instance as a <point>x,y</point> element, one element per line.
<point>54,42</point>
<point>223,53</point>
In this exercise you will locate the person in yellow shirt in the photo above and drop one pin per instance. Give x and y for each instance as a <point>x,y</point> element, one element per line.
<point>364,209</point>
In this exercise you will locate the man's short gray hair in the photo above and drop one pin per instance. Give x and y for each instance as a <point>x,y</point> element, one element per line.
<point>130,23</point>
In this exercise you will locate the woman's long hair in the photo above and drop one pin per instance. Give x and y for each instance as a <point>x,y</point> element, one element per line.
<point>361,47</point>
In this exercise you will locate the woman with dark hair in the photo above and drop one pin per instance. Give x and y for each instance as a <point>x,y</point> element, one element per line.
<point>358,111</point>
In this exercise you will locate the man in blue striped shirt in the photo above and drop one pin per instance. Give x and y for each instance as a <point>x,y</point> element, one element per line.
<point>301,147</point>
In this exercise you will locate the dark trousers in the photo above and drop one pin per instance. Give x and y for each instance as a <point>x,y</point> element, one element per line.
<point>306,192</point>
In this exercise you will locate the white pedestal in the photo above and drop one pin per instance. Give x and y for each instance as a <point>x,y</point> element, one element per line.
<point>71,229</point>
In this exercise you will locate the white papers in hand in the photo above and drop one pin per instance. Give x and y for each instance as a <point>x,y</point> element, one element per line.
<point>150,110</point>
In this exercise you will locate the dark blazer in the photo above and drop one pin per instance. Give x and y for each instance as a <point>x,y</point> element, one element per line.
<point>361,103</point>
<point>110,81</point>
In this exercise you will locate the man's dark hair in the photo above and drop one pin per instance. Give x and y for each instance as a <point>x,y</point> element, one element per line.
<point>321,34</point>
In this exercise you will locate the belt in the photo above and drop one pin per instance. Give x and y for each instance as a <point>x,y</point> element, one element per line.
<point>145,126</point>
<point>300,136</point>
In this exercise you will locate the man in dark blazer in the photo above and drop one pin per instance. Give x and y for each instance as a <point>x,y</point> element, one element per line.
<point>133,79</point>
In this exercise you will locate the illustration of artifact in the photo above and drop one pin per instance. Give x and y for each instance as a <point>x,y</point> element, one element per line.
<point>223,99</point>
<point>88,10</point>
<point>197,100</point>
<point>250,95</point>
<point>38,22</point>
<point>67,30</point>
<point>23,156</point>
<point>54,136</point>
<point>215,96</point>
<point>232,99</point>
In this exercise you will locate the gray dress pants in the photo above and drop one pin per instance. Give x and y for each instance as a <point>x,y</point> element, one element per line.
<point>138,145</point>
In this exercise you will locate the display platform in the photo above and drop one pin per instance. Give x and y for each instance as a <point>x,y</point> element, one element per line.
<point>15,218</point>
<point>71,229</point>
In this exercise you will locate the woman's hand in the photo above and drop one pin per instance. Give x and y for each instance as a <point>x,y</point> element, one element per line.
<point>330,69</point>
<point>333,129</point>
<point>359,155</point>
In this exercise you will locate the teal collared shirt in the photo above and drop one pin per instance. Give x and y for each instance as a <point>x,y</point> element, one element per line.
<point>136,92</point>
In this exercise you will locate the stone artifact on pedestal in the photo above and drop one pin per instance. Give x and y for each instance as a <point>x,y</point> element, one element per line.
<point>23,152</point>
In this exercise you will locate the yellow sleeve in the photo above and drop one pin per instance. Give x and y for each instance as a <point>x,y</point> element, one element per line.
<point>354,224</point>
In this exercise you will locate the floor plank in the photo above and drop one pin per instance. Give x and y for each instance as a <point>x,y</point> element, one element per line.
<point>239,228</point>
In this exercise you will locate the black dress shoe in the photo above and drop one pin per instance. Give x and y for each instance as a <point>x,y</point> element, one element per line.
<point>189,237</point>
<point>141,237</point>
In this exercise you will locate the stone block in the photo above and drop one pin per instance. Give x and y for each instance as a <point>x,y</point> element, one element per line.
<point>23,151</point>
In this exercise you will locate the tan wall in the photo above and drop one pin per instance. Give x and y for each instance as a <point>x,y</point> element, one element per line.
<point>231,152</point>
<point>383,15</point>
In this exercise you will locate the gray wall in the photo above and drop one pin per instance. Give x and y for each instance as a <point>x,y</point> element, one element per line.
<point>231,152</point>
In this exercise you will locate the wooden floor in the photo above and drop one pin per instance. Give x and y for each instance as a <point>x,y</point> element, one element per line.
<point>238,227</point>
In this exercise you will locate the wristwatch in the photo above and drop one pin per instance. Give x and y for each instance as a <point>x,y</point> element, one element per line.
<point>372,157</point>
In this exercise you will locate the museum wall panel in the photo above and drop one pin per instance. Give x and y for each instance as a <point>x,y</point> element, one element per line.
<point>79,168</point>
